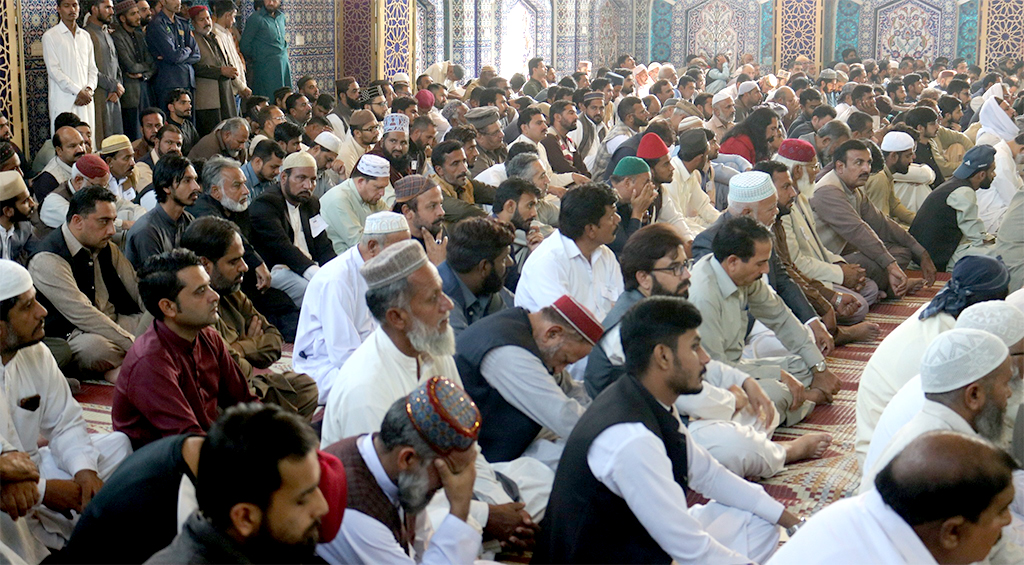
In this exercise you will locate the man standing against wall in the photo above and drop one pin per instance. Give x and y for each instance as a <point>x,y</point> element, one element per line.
<point>109,88</point>
<point>266,49</point>
<point>170,40</point>
<point>68,54</point>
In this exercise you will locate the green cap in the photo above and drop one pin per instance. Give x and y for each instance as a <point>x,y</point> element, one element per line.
<point>630,166</point>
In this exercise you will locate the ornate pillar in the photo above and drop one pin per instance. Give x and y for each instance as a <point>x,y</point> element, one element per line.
<point>12,87</point>
<point>396,38</point>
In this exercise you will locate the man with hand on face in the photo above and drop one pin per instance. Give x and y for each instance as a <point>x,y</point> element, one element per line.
<point>850,225</point>
<point>632,182</point>
<point>421,201</point>
<point>170,40</point>
<point>294,238</point>
<point>346,206</point>
<point>177,186</point>
<point>150,121</point>
<point>515,203</point>
<point>563,154</point>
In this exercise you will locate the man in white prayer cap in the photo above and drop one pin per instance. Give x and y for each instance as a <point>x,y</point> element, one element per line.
<point>414,342</point>
<point>723,108</point>
<point>325,150</point>
<point>335,319</point>
<point>42,484</point>
<point>748,95</point>
<point>346,206</point>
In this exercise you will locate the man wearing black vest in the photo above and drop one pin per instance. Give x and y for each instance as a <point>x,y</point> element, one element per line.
<point>512,364</point>
<point>947,225</point>
<point>619,494</point>
<point>88,286</point>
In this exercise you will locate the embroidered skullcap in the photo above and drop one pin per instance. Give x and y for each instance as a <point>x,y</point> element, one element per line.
<point>750,186</point>
<point>400,78</point>
<point>1016,299</point>
<point>960,357</point>
<point>720,96</point>
<point>395,263</point>
<point>123,7</point>
<point>114,143</point>
<point>896,141</point>
<point>91,166</point>
<point>11,185</point>
<point>328,141</point>
<point>694,139</point>
<point>334,486</point>
<point>297,160</point>
<point>374,166</point>
<point>451,110</point>
<point>591,96</point>
<point>14,279</point>
<point>383,223</point>
<point>977,158</point>
<point>482,117</point>
<point>486,68</point>
<point>396,122</point>
<point>797,150</point>
<point>629,166</point>
<point>196,10</point>
<point>651,147</point>
<point>425,99</point>
<point>369,93</point>
<point>360,118</point>
<point>827,74</point>
<point>581,319</point>
<point>6,151</point>
<point>747,87</point>
<point>411,186</point>
<point>997,317</point>
<point>444,415</point>
<point>975,277</point>
<point>614,78</point>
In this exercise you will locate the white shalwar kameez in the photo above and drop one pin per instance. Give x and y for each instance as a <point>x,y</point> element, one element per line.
<point>70,66</point>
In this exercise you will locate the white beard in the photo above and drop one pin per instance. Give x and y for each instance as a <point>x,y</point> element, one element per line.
<point>431,341</point>
<point>233,205</point>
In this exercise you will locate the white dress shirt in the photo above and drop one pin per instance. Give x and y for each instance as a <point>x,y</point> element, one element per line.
<point>227,45</point>
<point>493,175</point>
<point>333,322</point>
<point>558,267</point>
<point>689,198</point>
<point>70,66</point>
<point>298,236</point>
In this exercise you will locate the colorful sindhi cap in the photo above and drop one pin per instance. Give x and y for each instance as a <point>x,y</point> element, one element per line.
<point>444,415</point>
<point>580,318</point>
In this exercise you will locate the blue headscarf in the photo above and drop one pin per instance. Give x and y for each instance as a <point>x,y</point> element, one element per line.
<point>975,278</point>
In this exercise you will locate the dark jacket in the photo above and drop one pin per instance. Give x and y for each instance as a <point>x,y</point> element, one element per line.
<point>200,542</point>
<point>935,227</point>
<point>134,57</point>
<point>600,371</point>
<point>269,215</point>
<point>175,50</point>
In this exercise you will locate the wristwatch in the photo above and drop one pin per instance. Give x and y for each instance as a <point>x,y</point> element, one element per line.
<point>820,366</point>
<point>792,529</point>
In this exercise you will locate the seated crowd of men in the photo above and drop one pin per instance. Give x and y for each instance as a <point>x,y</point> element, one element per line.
<point>526,315</point>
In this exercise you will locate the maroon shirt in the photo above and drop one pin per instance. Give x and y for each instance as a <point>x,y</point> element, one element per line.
<point>171,386</point>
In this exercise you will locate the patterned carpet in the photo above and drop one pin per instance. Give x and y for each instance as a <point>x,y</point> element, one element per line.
<point>803,487</point>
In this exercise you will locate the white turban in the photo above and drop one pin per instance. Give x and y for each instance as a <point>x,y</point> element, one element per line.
<point>996,317</point>
<point>960,357</point>
<point>14,279</point>
<point>995,121</point>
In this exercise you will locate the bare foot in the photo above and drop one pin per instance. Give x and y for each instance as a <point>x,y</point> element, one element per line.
<point>864,331</point>
<point>810,446</point>
<point>914,285</point>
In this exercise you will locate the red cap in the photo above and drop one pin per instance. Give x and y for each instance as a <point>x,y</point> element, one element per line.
<point>581,319</point>
<point>425,99</point>
<point>92,166</point>
<point>196,10</point>
<point>334,486</point>
<point>797,150</point>
<point>651,147</point>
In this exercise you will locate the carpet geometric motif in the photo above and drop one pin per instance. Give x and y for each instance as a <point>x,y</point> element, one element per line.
<point>8,30</point>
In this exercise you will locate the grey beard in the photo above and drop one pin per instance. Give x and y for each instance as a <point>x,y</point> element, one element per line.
<point>431,341</point>
<point>989,422</point>
<point>233,205</point>
<point>414,492</point>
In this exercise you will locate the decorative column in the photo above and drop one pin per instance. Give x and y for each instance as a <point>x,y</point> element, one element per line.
<point>797,30</point>
<point>1002,22</point>
<point>12,88</point>
<point>395,30</point>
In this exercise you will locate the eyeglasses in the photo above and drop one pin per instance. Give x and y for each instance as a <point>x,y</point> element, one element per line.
<point>370,129</point>
<point>677,269</point>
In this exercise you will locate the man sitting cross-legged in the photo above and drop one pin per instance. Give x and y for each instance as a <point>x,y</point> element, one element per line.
<point>620,490</point>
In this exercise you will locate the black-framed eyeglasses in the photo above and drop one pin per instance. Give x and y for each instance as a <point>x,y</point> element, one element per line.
<point>678,269</point>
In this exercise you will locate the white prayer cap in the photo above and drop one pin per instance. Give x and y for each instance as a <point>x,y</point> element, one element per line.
<point>960,357</point>
<point>400,78</point>
<point>720,96</point>
<point>747,87</point>
<point>374,166</point>
<point>996,317</point>
<point>1016,299</point>
<point>690,122</point>
<point>896,141</point>
<point>329,141</point>
<point>395,263</point>
<point>11,185</point>
<point>297,160</point>
<point>750,186</point>
<point>382,223</point>
<point>14,279</point>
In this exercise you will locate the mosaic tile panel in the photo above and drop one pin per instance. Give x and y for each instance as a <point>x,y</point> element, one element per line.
<point>799,21</point>
<point>430,33</point>
<point>907,27</point>
<point>10,66</point>
<point>583,31</point>
<point>967,31</point>
<point>705,27</point>
<point>847,26</point>
<point>661,31</point>
<point>463,34</point>
<point>642,29</point>
<point>356,43</point>
<point>37,16</point>
<point>1005,20</point>
<point>767,34</point>
<point>397,37</point>
<point>610,20</point>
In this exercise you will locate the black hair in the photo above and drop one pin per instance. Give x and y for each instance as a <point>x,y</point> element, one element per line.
<point>158,278</point>
<point>557,108</point>
<point>210,237</point>
<point>84,201</point>
<point>250,105</point>
<point>753,127</point>
<point>513,189</point>
<point>654,321</point>
<point>851,145</point>
<point>325,101</point>
<point>738,237</point>
<point>526,116</point>
<point>293,100</point>
<point>859,120</point>
<point>521,147</point>
<point>770,168</point>
<point>644,248</point>
<point>584,206</point>
<point>627,106</point>
<point>801,84</point>
<point>169,170</point>
<point>440,153</point>
<point>175,94</point>
<point>266,150</point>
<point>477,239</point>
<point>808,95</point>
<point>286,131</point>
<point>955,86</point>
<point>153,110</point>
<point>534,63</point>
<point>921,116</point>
<point>824,110</point>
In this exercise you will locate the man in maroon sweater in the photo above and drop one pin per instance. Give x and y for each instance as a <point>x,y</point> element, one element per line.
<point>179,373</point>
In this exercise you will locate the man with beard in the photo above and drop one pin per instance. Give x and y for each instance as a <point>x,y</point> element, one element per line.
<point>413,342</point>
<point>463,196</point>
<point>7,136</point>
<point>364,133</point>
<point>515,203</point>
<point>346,206</point>
<point>633,118</point>
<point>176,185</point>
<point>214,98</point>
<point>755,138</point>
<point>592,129</point>
<point>172,44</point>
<point>293,235</point>
<point>267,120</point>
<point>420,200</point>
<point>136,62</point>
<point>947,224</point>
<point>474,272</point>
<point>47,483</point>
<point>373,99</point>
<point>348,102</point>
<point>399,470</point>
<point>151,120</point>
<point>723,110</point>
<point>324,148</point>
<point>898,150</point>
<point>489,138</point>
<point>298,109</point>
<point>810,100</point>
<point>252,341</point>
<point>263,167</point>
<point>422,141</point>
<point>69,146</point>
<point>16,210</point>
<point>851,226</point>
<point>145,14</point>
<point>117,153</point>
<point>265,48</point>
<point>179,113</point>
<point>629,462</point>
<point>563,154</point>
<point>533,126</point>
<point>394,146</point>
<point>631,180</point>
<point>513,364</point>
<point>685,188</point>
<point>227,139</point>
<point>825,141</point>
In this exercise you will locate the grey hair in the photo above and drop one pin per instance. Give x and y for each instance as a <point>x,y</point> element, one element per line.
<point>392,295</point>
<point>213,170</point>
<point>380,238</point>
<point>834,129</point>
<point>235,125</point>
<point>397,431</point>
<point>519,166</point>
